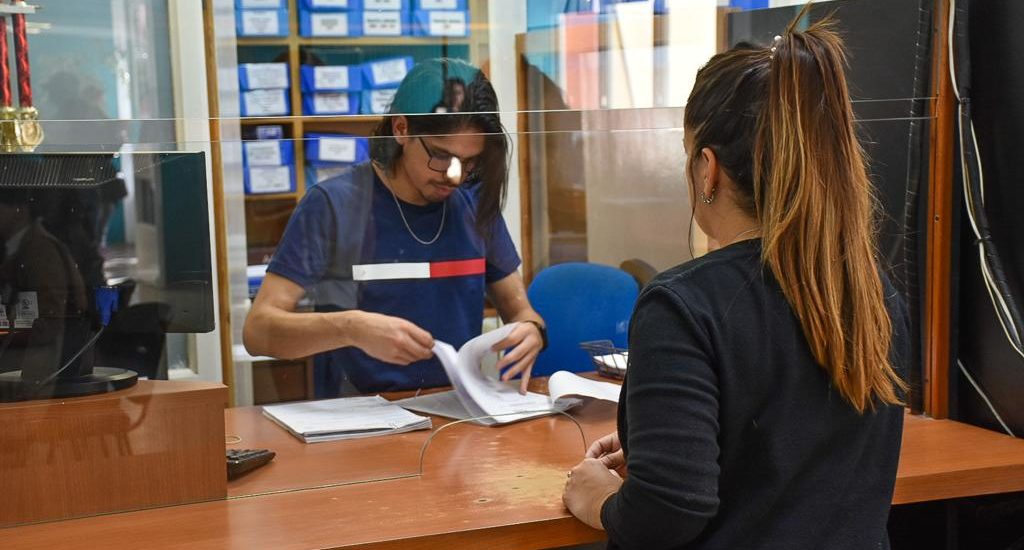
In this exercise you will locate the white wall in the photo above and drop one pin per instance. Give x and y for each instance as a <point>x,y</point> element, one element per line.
<point>508,18</point>
<point>191,108</point>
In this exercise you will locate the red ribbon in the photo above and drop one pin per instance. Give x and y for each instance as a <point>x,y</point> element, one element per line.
<point>21,55</point>
<point>5,68</point>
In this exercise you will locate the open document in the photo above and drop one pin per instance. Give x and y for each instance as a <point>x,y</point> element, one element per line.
<point>344,418</point>
<point>476,395</point>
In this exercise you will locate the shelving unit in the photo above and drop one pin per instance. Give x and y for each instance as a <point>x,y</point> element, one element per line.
<point>266,215</point>
<point>295,49</point>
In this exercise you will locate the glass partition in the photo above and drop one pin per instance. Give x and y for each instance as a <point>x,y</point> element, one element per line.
<point>577,107</point>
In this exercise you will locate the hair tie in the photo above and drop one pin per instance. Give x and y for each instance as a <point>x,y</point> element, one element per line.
<point>775,44</point>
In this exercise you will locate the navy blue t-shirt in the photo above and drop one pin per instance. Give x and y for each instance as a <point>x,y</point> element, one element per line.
<point>348,246</point>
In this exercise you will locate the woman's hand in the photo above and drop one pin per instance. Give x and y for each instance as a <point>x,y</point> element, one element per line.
<point>525,341</point>
<point>589,486</point>
<point>609,451</point>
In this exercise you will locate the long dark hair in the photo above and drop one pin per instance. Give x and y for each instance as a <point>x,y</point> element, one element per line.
<point>781,123</point>
<point>444,96</point>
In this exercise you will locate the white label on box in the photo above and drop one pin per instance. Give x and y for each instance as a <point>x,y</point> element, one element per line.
<point>265,102</point>
<point>382,4</point>
<point>340,4</point>
<point>261,4</point>
<point>447,23</point>
<point>27,310</point>
<point>270,179</point>
<point>263,153</point>
<point>330,78</point>
<point>380,101</point>
<point>338,149</point>
<point>260,23</point>
<point>330,103</point>
<point>329,24</point>
<point>439,4</point>
<point>267,75</point>
<point>382,23</point>
<point>388,72</point>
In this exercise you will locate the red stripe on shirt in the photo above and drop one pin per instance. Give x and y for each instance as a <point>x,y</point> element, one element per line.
<point>457,268</point>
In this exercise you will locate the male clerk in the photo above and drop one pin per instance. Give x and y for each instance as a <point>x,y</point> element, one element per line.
<point>400,250</point>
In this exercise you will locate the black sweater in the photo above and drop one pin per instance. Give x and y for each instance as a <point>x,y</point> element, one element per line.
<point>733,435</point>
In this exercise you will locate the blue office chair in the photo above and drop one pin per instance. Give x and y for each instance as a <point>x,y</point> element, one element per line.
<point>581,302</point>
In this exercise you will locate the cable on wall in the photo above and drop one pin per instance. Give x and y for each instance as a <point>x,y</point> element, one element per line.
<point>973,178</point>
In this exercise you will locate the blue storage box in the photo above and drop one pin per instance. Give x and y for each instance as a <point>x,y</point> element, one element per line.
<point>331,5</point>
<point>331,78</point>
<point>452,23</point>
<point>330,103</point>
<point>377,102</point>
<point>255,274</point>
<point>385,23</point>
<point>340,23</point>
<point>386,73</point>
<point>262,76</point>
<point>439,5</point>
<point>386,5</point>
<point>749,4</point>
<point>336,148</point>
<point>269,179</point>
<point>261,22</point>
<point>269,131</point>
<point>269,152</point>
<point>265,103</point>
<point>261,4</point>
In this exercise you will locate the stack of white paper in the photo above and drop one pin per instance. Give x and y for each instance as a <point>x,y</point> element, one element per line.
<point>490,401</point>
<point>344,418</point>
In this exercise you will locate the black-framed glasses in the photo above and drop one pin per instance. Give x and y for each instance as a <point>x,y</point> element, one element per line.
<point>440,162</point>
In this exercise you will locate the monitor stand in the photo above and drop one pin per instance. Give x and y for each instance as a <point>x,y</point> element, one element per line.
<point>100,380</point>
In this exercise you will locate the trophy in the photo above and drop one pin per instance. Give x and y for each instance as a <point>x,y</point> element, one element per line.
<point>20,130</point>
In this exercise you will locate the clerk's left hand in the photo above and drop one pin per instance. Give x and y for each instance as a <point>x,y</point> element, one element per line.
<point>589,485</point>
<point>525,343</point>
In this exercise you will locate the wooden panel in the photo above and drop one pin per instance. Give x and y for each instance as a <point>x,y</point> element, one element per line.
<point>938,261</point>
<point>277,381</point>
<point>219,210</point>
<point>525,185</point>
<point>722,20</point>
<point>155,444</point>
<point>266,220</point>
<point>943,459</point>
<point>481,488</point>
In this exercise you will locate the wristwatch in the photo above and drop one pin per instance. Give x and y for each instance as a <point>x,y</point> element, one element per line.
<point>543,333</point>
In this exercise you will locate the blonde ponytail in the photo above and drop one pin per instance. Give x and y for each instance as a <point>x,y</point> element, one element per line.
<point>797,157</point>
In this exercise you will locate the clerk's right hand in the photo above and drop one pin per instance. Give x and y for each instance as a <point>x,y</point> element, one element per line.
<point>393,339</point>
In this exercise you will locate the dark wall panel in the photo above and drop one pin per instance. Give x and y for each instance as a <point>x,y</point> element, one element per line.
<point>996,86</point>
<point>888,42</point>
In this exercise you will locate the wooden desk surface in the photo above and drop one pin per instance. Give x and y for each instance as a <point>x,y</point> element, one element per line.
<point>481,487</point>
<point>943,459</point>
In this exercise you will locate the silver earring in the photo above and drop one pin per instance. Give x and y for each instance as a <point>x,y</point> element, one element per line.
<point>707,199</point>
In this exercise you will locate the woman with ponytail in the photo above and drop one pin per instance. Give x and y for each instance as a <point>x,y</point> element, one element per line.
<point>761,408</point>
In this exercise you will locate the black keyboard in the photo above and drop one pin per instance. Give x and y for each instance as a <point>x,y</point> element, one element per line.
<point>241,461</point>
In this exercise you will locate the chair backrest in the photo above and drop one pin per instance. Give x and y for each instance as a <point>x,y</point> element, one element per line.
<point>642,271</point>
<point>581,302</point>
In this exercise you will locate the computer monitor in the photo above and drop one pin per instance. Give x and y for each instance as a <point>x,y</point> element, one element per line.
<point>100,256</point>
